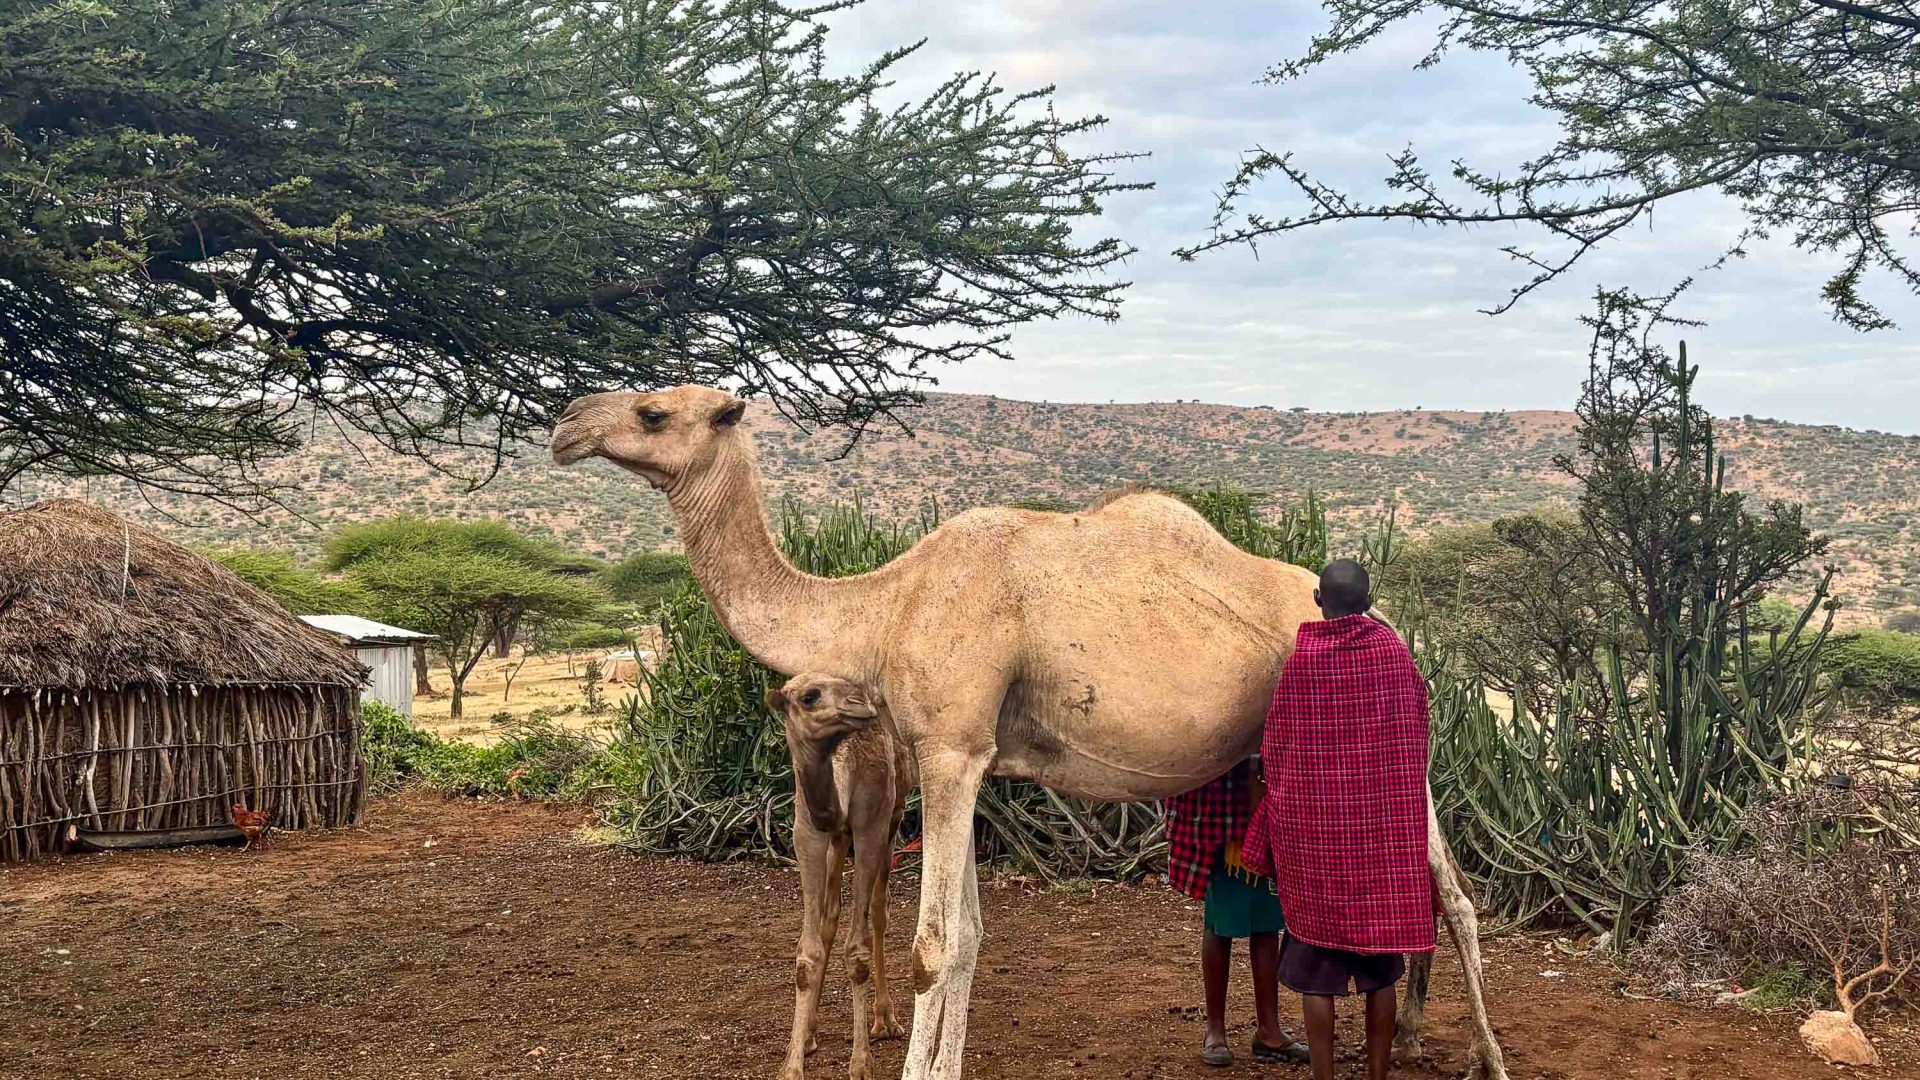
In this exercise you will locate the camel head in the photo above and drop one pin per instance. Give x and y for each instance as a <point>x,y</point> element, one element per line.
<point>661,436</point>
<point>821,709</point>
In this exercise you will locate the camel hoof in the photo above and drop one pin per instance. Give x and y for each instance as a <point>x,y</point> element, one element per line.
<point>1407,1051</point>
<point>860,1070</point>
<point>886,1026</point>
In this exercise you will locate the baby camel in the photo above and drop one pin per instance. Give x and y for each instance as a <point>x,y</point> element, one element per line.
<point>851,779</point>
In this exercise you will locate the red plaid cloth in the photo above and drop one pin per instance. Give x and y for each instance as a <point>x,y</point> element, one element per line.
<point>1345,817</point>
<point>1200,824</point>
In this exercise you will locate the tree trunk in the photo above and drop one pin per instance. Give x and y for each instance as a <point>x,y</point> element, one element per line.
<point>503,636</point>
<point>459,686</point>
<point>421,684</point>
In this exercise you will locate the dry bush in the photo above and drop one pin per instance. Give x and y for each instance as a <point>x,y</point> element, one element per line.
<point>1825,883</point>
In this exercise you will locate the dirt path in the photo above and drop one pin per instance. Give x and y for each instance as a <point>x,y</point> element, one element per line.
<point>461,939</point>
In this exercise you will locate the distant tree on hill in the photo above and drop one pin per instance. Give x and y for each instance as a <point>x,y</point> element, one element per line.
<point>1801,111</point>
<point>436,223</point>
<point>647,579</point>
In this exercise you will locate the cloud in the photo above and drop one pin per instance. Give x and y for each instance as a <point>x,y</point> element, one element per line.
<point>1363,316</point>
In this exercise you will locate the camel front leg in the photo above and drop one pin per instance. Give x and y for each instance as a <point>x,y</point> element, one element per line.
<point>946,945</point>
<point>1464,926</point>
<point>819,857</point>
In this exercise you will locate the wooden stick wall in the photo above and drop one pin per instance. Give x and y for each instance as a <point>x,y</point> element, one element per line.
<point>142,758</point>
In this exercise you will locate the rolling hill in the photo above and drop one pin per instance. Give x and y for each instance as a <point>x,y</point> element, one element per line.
<point>1441,468</point>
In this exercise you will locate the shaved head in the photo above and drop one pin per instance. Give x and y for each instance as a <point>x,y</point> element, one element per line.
<point>1344,589</point>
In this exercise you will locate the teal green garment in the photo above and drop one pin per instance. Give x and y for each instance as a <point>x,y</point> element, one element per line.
<point>1239,904</point>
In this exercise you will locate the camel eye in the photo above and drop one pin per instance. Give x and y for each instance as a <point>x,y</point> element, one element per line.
<point>810,698</point>
<point>653,418</point>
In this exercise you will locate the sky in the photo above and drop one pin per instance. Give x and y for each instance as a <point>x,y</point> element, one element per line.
<point>1359,316</point>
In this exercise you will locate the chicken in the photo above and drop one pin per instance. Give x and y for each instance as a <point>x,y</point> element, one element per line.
<point>255,824</point>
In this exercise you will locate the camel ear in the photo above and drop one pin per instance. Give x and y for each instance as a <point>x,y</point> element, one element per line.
<point>776,700</point>
<point>856,707</point>
<point>730,415</point>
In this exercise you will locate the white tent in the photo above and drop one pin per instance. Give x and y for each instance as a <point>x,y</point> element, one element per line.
<point>387,650</point>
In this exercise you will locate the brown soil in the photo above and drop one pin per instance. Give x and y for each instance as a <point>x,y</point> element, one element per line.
<point>464,939</point>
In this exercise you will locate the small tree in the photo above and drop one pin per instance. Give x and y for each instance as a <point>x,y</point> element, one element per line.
<point>1686,554</point>
<point>466,599</point>
<point>648,579</point>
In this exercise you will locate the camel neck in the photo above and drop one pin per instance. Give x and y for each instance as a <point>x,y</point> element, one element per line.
<point>788,620</point>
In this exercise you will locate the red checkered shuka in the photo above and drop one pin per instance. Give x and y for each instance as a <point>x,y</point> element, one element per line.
<point>1200,824</point>
<point>1344,822</point>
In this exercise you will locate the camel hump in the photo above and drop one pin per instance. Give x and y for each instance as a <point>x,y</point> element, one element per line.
<point>1124,491</point>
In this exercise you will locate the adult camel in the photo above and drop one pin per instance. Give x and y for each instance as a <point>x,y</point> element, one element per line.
<point>1123,653</point>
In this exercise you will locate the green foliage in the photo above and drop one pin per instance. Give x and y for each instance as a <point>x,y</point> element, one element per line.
<point>404,534</point>
<point>411,216</point>
<point>533,757</point>
<point>647,579</point>
<point>588,638</point>
<point>1801,114</point>
<point>299,590</point>
<point>1521,604</point>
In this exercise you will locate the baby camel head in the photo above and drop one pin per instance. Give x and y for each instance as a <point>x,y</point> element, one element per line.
<point>821,709</point>
<point>661,436</point>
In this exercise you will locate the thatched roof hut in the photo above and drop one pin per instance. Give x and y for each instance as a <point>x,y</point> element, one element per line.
<point>143,686</point>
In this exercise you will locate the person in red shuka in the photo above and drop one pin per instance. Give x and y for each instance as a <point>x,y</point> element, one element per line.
<point>1343,827</point>
<point>1205,827</point>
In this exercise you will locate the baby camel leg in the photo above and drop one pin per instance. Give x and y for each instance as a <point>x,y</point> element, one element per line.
<point>871,852</point>
<point>886,1023</point>
<point>819,857</point>
<point>946,945</point>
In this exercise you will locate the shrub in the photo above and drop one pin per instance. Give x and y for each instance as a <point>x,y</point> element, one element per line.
<point>1820,885</point>
<point>1881,665</point>
<point>532,758</point>
<point>1904,622</point>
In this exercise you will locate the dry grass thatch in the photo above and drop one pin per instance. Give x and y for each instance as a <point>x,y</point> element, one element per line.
<point>90,601</point>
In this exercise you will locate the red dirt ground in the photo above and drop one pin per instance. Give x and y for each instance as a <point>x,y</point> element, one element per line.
<point>465,939</point>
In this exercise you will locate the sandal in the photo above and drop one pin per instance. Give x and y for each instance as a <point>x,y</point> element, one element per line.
<point>1294,1052</point>
<point>1216,1054</point>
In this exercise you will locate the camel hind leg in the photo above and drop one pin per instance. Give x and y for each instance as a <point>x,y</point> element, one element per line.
<point>886,1021</point>
<point>1463,925</point>
<point>871,853</point>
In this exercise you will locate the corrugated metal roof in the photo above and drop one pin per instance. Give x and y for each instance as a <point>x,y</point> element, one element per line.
<point>364,631</point>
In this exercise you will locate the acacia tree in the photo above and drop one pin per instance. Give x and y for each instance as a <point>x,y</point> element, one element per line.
<point>436,222</point>
<point>466,600</point>
<point>471,584</point>
<point>1804,111</point>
